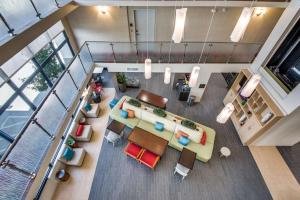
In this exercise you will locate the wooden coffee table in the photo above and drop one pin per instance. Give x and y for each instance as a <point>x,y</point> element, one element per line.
<point>148,141</point>
<point>152,99</point>
<point>187,158</point>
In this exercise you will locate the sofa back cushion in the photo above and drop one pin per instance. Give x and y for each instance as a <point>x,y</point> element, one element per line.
<point>149,116</point>
<point>194,135</point>
<point>137,111</point>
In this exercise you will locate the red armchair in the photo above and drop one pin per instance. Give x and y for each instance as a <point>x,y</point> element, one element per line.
<point>149,159</point>
<point>133,150</point>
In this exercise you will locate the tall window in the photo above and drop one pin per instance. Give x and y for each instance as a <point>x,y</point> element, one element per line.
<point>24,89</point>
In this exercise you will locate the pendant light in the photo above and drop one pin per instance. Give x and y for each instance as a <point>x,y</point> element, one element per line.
<point>179,25</point>
<point>167,77</point>
<point>250,86</point>
<point>225,113</point>
<point>148,67</point>
<point>194,76</point>
<point>242,23</point>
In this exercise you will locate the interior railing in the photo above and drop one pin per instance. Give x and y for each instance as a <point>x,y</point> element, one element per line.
<point>166,52</point>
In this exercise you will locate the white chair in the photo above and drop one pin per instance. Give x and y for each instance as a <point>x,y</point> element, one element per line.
<point>113,137</point>
<point>77,160</point>
<point>182,170</point>
<point>86,133</point>
<point>94,112</point>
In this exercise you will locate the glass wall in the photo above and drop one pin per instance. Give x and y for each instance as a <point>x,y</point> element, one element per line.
<point>27,86</point>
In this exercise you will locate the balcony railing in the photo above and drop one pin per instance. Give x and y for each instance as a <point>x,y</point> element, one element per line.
<point>166,52</point>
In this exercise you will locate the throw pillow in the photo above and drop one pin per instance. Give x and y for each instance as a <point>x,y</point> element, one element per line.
<point>184,141</point>
<point>124,114</point>
<point>183,134</point>
<point>79,130</point>
<point>159,126</point>
<point>130,113</point>
<point>177,136</point>
<point>70,141</point>
<point>121,105</point>
<point>88,107</point>
<point>68,154</point>
<point>203,139</point>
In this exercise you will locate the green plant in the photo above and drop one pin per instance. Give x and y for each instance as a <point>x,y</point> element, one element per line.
<point>121,78</point>
<point>52,70</point>
<point>188,124</point>
<point>134,102</point>
<point>159,112</point>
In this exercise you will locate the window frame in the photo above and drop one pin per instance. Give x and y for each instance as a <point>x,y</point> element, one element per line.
<point>18,91</point>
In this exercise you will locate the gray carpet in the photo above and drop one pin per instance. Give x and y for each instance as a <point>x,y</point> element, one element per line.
<point>237,177</point>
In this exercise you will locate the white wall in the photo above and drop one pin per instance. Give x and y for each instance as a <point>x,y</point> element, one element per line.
<point>285,133</point>
<point>205,71</point>
<point>87,24</point>
<point>90,25</point>
<point>198,19</point>
<point>287,102</point>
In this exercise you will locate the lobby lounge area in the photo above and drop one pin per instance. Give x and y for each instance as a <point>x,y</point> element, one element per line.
<point>149,100</point>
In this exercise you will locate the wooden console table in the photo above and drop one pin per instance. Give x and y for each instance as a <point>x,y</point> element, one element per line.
<point>152,99</point>
<point>148,141</point>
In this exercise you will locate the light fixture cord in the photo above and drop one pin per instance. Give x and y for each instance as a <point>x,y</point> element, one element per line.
<point>174,22</point>
<point>147,29</point>
<point>208,30</point>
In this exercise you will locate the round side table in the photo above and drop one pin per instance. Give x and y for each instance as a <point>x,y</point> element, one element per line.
<point>225,152</point>
<point>62,175</point>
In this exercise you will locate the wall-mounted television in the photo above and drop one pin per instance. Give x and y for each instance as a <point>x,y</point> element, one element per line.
<point>284,66</point>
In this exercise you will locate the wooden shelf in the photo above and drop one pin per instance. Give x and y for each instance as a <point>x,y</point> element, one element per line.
<point>254,108</point>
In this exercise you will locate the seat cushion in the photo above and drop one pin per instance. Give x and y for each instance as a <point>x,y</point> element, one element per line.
<point>194,135</point>
<point>149,158</point>
<point>79,130</point>
<point>159,126</point>
<point>184,140</point>
<point>130,113</point>
<point>165,134</point>
<point>86,134</point>
<point>133,150</point>
<point>124,114</point>
<point>203,139</point>
<point>88,107</point>
<point>137,110</point>
<point>113,103</point>
<point>68,153</point>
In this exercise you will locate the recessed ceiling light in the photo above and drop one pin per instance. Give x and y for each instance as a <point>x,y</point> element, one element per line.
<point>102,9</point>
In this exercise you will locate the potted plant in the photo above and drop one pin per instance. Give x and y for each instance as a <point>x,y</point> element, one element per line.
<point>159,112</point>
<point>134,102</point>
<point>121,79</point>
<point>188,124</point>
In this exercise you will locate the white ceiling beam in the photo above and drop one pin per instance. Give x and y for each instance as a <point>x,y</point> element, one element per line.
<point>185,3</point>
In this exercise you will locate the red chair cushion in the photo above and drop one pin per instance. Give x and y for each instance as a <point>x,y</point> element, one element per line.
<point>203,139</point>
<point>79,130</point>
<point>149,158</point>
<point>121,105</point>
<point>133,150</point>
